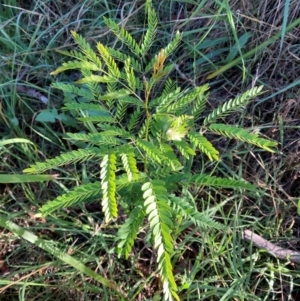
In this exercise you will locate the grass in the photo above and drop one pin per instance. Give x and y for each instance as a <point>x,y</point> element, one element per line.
<point>229,45</point>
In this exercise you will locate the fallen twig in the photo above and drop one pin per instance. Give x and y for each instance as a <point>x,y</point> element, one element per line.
<point>32,93</point>
<point>271,248</point>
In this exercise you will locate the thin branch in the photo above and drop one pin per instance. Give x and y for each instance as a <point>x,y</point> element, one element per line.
<point>278,252</point>
<point>32,93</point>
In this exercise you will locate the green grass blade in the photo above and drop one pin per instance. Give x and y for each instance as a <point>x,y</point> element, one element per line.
<point>253,51</point>
<point>235,35</point>
<point>15,140</point>
<point>285,19</point>
<point>25,178</point>
<point>50,248</point>
<point>283,90</point>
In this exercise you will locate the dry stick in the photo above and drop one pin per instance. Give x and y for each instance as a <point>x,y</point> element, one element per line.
<point>274,250</point>
<point>32,93</point>
<point>29,91</point>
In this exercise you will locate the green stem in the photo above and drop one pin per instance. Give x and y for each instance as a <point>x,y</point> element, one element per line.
<point>147,95</point>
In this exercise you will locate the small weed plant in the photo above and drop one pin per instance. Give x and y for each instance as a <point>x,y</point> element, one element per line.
<point>144,132</point>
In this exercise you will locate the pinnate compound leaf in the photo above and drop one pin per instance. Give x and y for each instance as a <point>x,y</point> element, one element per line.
<point>204,145</point>
<point>130,76</point>
<point>170,157</point>
<point>101,110</point>
<point>243,135</point>
<point>199,105</point>
<point>64,159</point>
<point>186,99</point>
<point>119,94</point>
<point>96,138</point>
<point>122,57</point>
<point>168,50</point>
<point>86,49</point>
<point>109,130</point>
<point>129,164</point>
<point>92,78</point>
<point>233,105</point>
<point>162,103</point>
<point>74,90</point>
<point>184,148</point>
<point>108,184</point>
<point>160,219</point>
<point>76,65</point>
<point>102,118</point>
<point>171,47</point>
<point>205,180</point>
<point>134,120</point>
<point>73,54</point>
<point>123,35</point>
<point>152,26</point>
<point>151,150</point>
<point>129,230</point>
<point>77,195</point>
<point>200,219</point>
<point>133,100</point>
<point>113,69</point>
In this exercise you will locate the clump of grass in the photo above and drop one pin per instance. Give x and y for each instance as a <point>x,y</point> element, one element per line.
<point>213,266</point>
